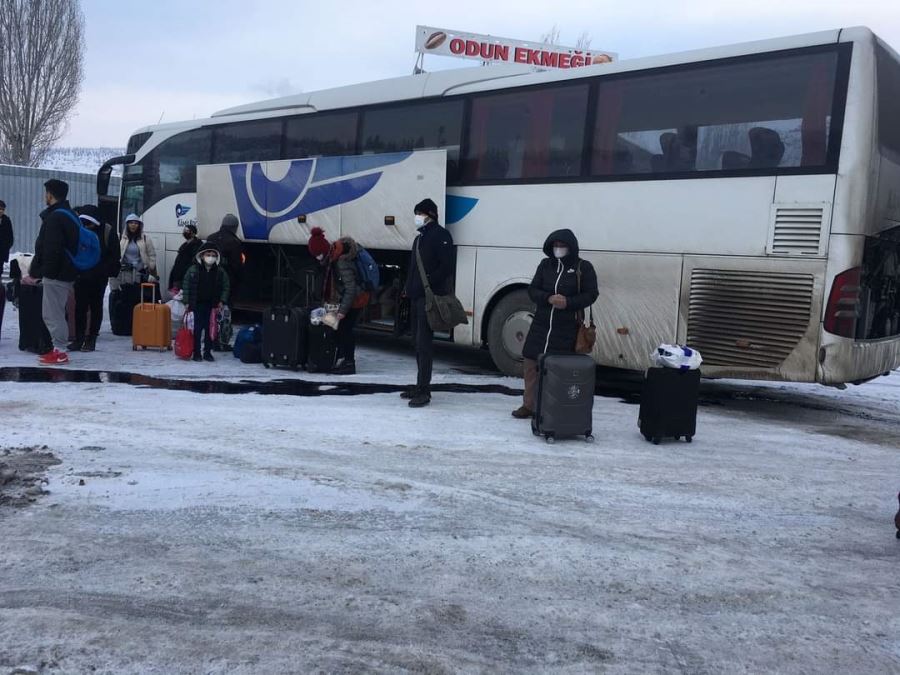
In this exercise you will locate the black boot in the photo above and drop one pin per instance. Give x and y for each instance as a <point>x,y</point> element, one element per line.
<point>345,367</point>
<point>208,356</point>
<point>90,343</point>
<point>196,357</point>
<point>409,393</point>
<point>75,345</point>
<point>421,399</point>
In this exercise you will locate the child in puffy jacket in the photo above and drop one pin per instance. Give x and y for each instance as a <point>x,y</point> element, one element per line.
<point>205,289</point>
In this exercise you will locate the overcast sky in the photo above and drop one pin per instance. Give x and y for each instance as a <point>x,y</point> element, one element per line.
<point>178,59</point>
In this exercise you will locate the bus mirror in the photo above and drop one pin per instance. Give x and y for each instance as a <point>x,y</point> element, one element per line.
<point>103,175</point>
<point>389,220</point>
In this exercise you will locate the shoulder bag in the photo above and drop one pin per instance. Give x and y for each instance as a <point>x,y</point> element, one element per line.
<point>587,334</point>
<point>444,312</point>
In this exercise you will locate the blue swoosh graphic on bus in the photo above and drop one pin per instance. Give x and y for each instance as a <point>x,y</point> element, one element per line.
<point>458,208</point>
<point>267,203</point>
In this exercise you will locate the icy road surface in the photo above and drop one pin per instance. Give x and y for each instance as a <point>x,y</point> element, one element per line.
<point>188,533</point>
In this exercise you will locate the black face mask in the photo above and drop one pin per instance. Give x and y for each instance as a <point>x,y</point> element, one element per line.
<point>187,235</point>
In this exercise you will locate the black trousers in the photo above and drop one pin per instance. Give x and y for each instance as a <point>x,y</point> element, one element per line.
<point>423,337</point>
<point>346,338</point>
<point>202,315</point>
<point>89,298</point>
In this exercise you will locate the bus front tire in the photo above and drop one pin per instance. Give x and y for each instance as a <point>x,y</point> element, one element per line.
<point>507,329</point>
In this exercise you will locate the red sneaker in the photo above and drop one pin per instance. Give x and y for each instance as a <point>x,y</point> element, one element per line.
<point>54,358</point>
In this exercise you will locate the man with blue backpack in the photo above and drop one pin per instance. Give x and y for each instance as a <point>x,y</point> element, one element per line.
<point>63,248</point>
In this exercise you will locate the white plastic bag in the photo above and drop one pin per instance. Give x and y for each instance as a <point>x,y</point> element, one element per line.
<point>176,307</point>
<point>678,357</point>
<point>316,316</point>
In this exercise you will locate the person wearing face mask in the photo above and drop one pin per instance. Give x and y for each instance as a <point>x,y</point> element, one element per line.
<point>185,258</point>
<point>205,288</point>
<point>138,252</point>
<point>435,246</point>
<point>563,285</point>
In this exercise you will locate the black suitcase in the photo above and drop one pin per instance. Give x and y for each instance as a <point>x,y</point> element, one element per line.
<point>669,404</point>
<point>565,396</point>
<point>284,337</point>
<point>122,302</point>
<point>321,344</point>
<point>33,334</point>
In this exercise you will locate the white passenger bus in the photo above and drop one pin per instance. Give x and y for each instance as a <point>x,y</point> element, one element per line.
<point>744,200</point>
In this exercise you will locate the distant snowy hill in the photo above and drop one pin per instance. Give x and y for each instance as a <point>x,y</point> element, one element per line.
<point>81,160</point>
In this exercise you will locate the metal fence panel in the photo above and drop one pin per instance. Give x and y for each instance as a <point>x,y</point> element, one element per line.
<point>22,188</point>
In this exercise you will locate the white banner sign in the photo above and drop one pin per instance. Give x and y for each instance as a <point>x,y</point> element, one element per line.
<point>444,42</point>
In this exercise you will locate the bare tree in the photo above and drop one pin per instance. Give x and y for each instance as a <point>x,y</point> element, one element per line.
<point>551,37</point>
<point>584,41</point>
<point>41,70</point>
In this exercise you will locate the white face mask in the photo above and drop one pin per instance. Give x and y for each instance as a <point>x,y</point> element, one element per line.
<point>420,220</point>
<point>209,260</point>
<point>560,251</point>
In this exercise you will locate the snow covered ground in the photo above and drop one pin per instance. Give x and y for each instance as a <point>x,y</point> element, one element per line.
<point>262,533</point>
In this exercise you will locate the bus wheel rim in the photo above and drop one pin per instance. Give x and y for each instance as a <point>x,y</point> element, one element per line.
<point>515,329</point>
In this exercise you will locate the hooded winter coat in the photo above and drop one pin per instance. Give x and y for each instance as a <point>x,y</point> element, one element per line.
<point>145,248</point>
<point>200,281</point>
<point>341,283</point>
<point>58,234</point>
<point>553,331</point>
<point>229,245</point>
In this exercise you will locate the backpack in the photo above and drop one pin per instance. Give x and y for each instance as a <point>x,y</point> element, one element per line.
<point>367,270</point>
<point>87,252</point>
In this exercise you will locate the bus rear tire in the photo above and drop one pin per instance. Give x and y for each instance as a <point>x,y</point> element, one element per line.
<point>507,329</point>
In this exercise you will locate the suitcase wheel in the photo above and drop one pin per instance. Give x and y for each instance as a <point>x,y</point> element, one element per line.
<point>648,438</point>
<point>589,438</point>
<point>656,441</point>
<point>134,348</point>
<point>267,364</point>
<point>688,439</point>
<point>551,439</point>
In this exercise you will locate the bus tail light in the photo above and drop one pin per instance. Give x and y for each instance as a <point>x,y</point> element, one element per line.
<point>842,311</point>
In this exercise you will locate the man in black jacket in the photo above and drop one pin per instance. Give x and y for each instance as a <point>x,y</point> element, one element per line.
<point>435,247</point>
<point>229,246</point>
<point>185,258</point>
<point>6,234</point>
<point>57,238</point>
<point>90,287</point>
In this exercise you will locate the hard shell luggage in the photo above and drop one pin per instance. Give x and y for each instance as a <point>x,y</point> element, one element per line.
<point>284,337</point>
<point>669,404</point>
<point>122,302</point>
<point>565,396</point>
<point>321,349</point>
<point>152,323</point>
<point>33,334</point>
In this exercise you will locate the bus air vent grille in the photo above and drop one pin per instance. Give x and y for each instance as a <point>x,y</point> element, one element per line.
<point>797,230</point>
<point>747,319</point>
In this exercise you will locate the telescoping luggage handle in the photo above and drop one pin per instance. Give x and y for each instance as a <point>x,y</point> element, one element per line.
<point>152,288</point>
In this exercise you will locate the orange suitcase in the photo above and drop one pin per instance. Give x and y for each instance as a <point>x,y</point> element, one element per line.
<point>151,324</point>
